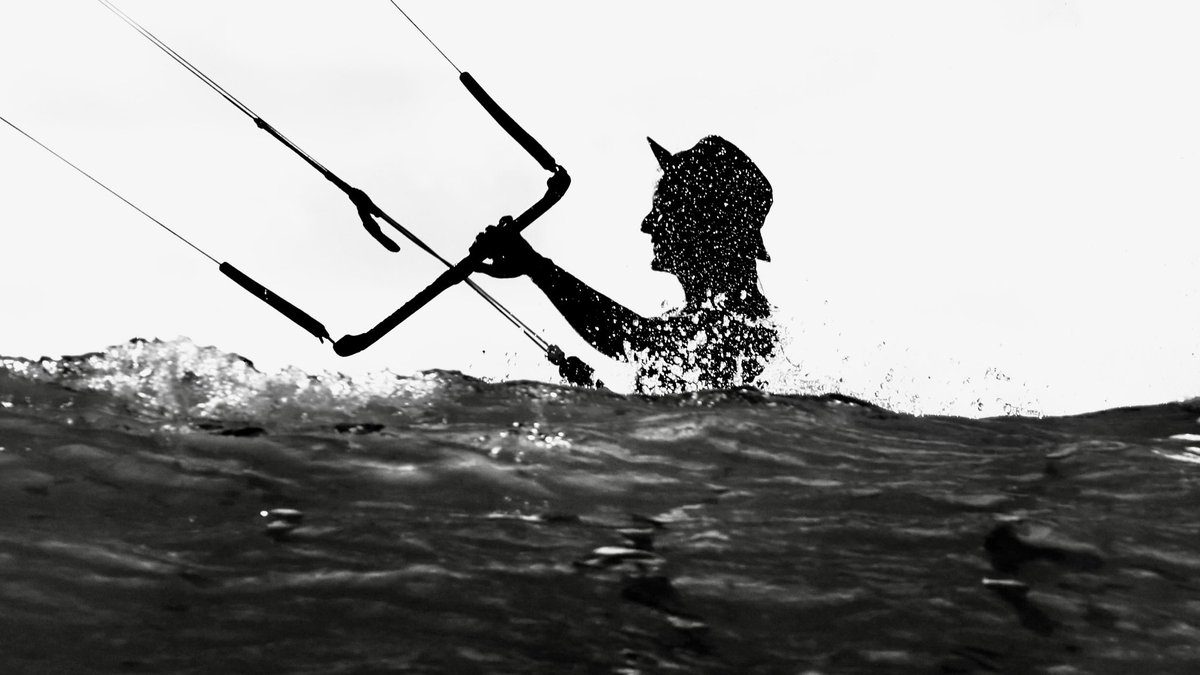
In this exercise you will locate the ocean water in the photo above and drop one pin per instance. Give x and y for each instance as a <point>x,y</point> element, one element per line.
<point>167,508</point>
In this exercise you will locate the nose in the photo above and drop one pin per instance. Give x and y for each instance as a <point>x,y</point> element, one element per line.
<point>651,221</point>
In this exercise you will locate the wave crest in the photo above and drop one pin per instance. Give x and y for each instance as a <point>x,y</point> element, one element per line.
<point>180,380</point>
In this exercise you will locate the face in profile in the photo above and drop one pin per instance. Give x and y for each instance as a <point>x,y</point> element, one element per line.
<point>670,228</point>
<point>687,230</point>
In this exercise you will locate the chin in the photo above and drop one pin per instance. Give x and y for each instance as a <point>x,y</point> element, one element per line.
<point>657,265</point>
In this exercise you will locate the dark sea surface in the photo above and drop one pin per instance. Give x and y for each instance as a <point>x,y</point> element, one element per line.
<point>166,508</point>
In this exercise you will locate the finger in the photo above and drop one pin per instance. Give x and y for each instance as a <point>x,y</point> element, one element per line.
<point>490,236</point>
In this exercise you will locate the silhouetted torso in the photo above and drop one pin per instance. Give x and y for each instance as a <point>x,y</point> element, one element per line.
<point>708,348</point>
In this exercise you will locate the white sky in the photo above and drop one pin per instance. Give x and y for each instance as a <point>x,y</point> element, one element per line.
<point>964,191</point>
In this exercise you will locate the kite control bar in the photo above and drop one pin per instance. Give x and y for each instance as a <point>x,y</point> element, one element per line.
<point>349,345</point>
<point>368,212</point>
<point>556,187</point>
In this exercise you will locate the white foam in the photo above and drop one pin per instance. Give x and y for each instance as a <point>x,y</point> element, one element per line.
<point>1192,456</point>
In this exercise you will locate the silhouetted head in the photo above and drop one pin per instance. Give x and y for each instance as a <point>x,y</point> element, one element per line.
<point>710,204</point>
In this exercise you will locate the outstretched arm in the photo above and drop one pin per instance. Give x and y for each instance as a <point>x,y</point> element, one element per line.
<point>604,323</point>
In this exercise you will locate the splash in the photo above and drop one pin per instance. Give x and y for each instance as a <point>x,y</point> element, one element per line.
<point>815,359</point>
<point>718,343</point>
<point>181,381</point>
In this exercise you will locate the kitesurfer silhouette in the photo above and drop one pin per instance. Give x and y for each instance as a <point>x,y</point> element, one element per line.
<point>708,209</point>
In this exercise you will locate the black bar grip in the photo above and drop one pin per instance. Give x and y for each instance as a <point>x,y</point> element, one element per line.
<point>298,316</point>
<point>509,124</point>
